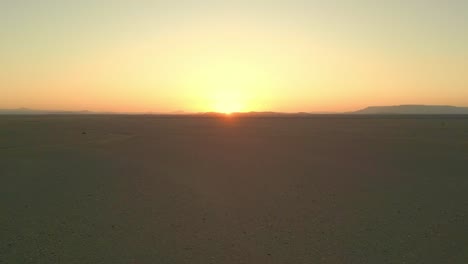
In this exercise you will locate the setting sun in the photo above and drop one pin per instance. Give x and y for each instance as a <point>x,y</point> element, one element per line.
<point>221,83</point>
<point>228,102</point>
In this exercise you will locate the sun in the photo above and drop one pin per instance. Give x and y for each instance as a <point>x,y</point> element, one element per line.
<point>228,102</point>
<point>225,85</point>
<point>228,107</point>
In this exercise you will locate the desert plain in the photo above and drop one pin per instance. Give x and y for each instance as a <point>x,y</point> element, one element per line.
<point>226,189</point>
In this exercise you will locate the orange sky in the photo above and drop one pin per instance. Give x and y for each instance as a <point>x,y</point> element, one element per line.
<point>246,56</point>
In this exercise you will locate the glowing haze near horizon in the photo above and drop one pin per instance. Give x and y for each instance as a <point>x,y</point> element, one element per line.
<point>241,56</point>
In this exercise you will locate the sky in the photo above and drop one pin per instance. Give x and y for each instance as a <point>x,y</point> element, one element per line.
<point>228,56</point>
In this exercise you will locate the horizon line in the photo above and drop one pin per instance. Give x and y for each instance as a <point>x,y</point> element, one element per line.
<point>32,111</point>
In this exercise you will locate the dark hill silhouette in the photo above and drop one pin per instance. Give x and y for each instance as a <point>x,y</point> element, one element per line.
<point>415,109</point>
<point>371,110</point>
<point>27,111</point>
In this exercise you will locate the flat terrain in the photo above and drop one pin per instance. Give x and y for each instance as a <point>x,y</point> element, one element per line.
<point>146,189</point>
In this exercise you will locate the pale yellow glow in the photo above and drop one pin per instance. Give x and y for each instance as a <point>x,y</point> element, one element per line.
<point>233,56</point>
<point>228,102</point>
<point>220,83</point>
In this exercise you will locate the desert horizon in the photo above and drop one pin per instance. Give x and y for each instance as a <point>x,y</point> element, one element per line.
<point>233,132</point>
<point>394,109</point>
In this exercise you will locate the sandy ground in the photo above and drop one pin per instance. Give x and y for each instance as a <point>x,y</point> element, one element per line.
<point>141,189</point>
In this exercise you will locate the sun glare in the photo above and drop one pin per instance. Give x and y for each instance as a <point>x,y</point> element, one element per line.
<point>225,84</point>
<point>228,104</point>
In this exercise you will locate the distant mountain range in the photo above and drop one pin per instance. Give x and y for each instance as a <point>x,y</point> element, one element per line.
<point>414,110</point>
<point>372,110</point>
<point>27,111</point>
